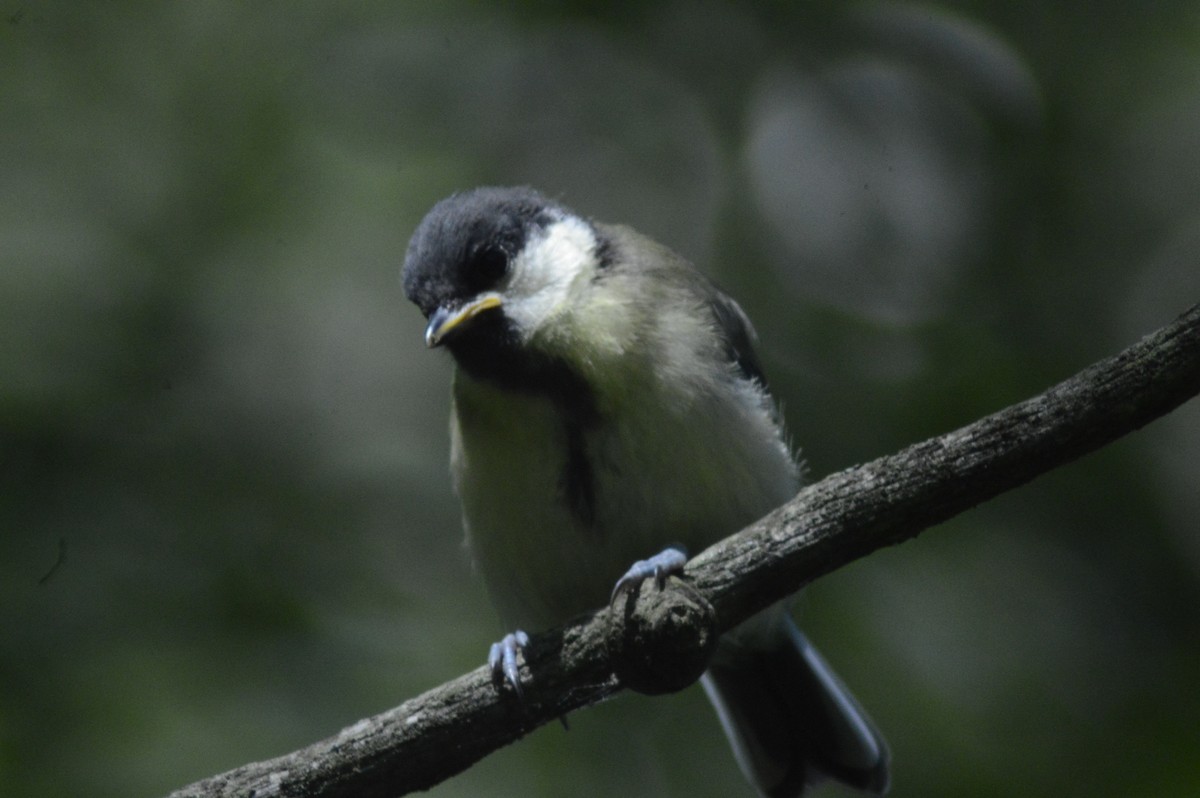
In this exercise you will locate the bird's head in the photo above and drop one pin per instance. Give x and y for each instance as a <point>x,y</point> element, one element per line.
<point>495,264</point>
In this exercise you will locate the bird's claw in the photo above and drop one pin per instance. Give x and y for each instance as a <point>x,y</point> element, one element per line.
<point>502,659</point>
<point>667,562</point>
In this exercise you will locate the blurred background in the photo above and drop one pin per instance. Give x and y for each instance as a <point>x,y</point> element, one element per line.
<point>226,525</point>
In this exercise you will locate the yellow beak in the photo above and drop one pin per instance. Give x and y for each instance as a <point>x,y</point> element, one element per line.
<point>445,321</point>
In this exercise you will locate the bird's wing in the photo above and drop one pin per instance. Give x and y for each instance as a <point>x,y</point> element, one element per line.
<point>737,333</point>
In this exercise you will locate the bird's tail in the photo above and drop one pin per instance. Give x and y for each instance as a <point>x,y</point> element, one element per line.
<point>790,719</point>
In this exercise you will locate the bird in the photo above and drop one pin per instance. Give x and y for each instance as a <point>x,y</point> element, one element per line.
<point>608,414</point>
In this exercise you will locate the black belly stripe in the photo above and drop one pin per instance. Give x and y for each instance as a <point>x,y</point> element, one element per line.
<point>578,479</point>
<point>491,352</point>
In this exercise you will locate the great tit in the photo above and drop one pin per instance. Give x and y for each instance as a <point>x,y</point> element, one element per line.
<point>608,401</point>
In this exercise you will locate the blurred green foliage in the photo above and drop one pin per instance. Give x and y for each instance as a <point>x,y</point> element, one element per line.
<point>226,527</point>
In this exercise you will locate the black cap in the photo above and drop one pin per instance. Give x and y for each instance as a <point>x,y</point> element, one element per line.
<point>465,244</point>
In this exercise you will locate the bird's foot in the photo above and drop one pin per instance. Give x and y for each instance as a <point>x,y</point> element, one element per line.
<point>667,562</point>
<point>502,659</point>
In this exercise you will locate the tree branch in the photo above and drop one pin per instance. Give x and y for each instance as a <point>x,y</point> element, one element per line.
<point>829,524</point>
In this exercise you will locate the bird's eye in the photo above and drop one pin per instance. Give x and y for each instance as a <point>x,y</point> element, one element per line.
<point>489,266</point>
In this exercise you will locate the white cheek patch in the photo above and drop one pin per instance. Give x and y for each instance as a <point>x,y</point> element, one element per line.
<point>543,272</point>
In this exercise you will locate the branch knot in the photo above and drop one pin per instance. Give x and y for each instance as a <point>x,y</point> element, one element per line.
<point>661,641</point>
